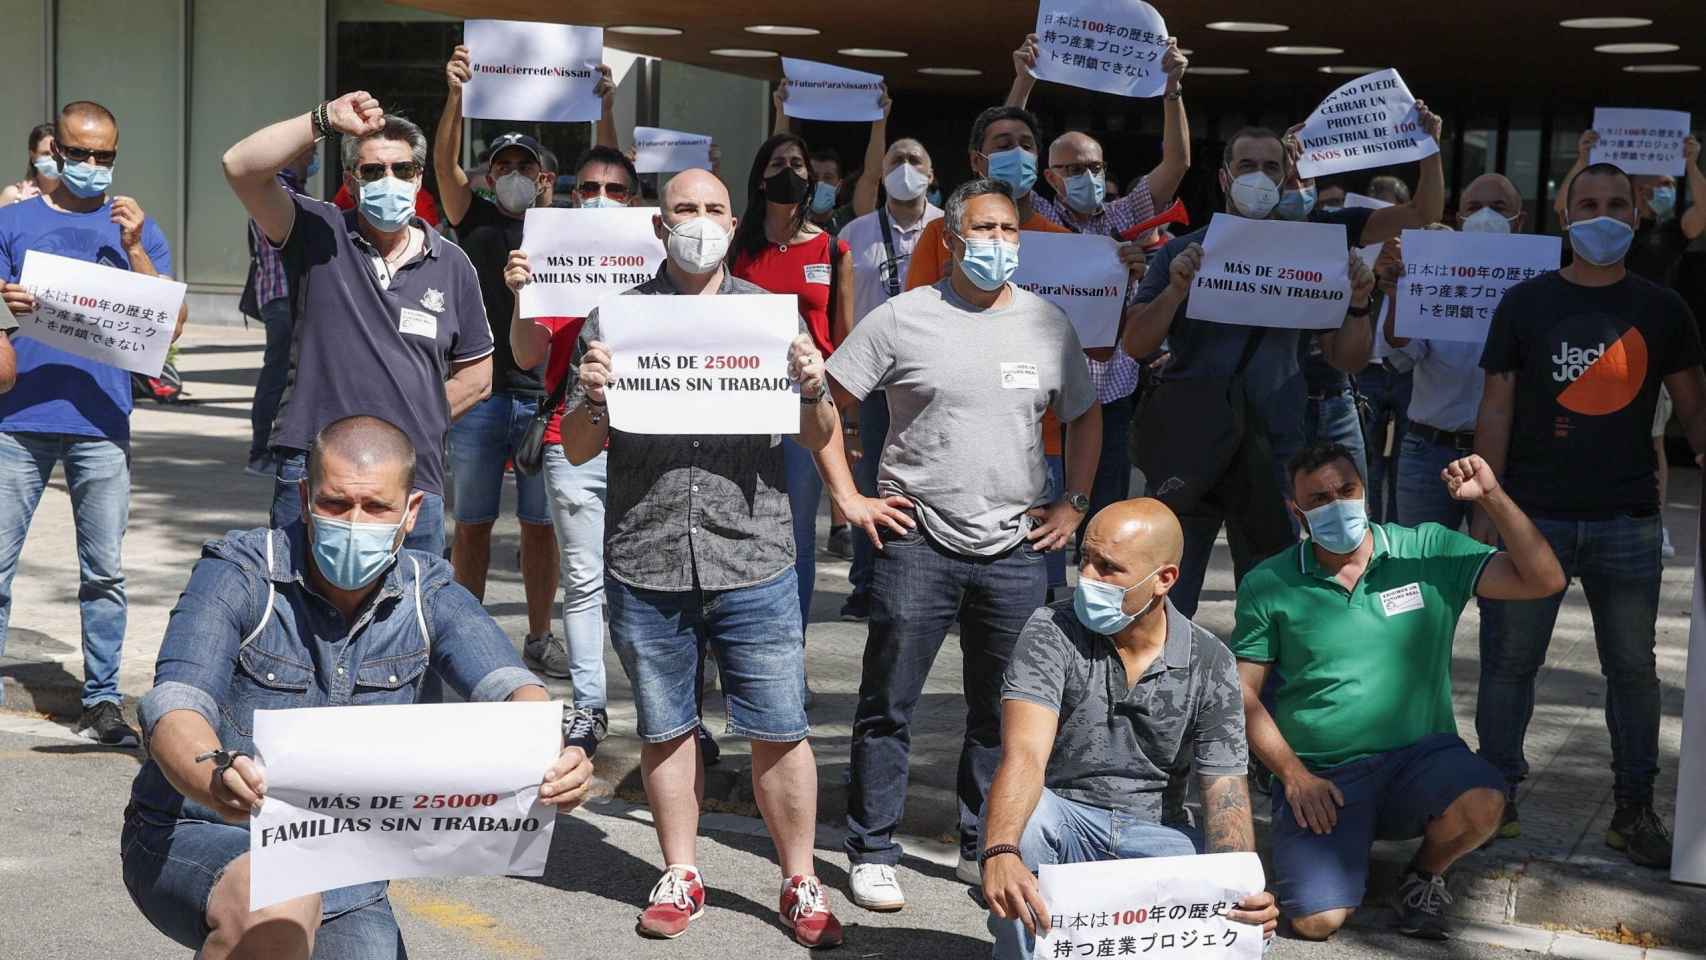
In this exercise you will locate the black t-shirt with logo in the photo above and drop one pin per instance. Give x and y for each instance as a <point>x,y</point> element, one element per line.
<point>1656,248</point>
<point>1589,362</point>
<point>488,236</point>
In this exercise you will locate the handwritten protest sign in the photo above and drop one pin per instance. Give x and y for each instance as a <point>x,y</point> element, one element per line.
<point>581,256</point>
<point>357,794</point>
<point>532,71</point>
<point>1641,141</point>
<point>711,365</point>
<point>1114,46</point>
<point>99,312</point>
<point>1157,907</point>
<point>1371,121</point>
<point>1272,273</point>
<point>1080,273</point>
<point>823,91</point>
<point>667,151</point>
<point>1454,281</point>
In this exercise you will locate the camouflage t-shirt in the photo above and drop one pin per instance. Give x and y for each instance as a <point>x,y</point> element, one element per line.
<point>1127,746</point>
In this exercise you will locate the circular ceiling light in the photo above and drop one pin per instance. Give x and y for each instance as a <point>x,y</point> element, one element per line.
<point>1248,26</point>
<point>1217,71</point>
<point>781,30</point>
<point>641,30</point>
<point>951,71</point>
<point>1661,68</point>
<point>741,53</point>
<point>1306,51</point>
<point>1605,23</point>
<point>873,52</point>
<point>1637,48</point>
<point>1347,70</point>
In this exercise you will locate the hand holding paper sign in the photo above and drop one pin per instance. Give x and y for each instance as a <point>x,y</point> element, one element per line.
<point>805,367</point>
<point>458,71</point>
<point>127,213</point>
<point>18,299</point>
<point>595,371</point>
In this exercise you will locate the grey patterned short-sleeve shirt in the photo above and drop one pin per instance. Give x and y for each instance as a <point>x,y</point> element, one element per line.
<point>1127,746</point>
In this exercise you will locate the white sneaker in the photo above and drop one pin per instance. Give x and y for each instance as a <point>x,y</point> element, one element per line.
<point>874,887</point>
<point>970,872</point>
<point>1665,549</point>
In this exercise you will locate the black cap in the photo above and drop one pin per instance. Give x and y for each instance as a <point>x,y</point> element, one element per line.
<point>521,140</point>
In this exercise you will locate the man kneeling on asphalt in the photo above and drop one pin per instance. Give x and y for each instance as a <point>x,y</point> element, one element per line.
<point>334,590</point>
<point>1358,621</point>
<point>1108,703</point>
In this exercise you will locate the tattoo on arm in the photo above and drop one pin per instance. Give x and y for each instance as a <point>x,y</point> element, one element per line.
<point>1226,810</point>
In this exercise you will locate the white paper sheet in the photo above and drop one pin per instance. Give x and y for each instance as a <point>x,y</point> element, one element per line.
<point>1272,273</point>
<point>530,71</point>
<point>101,313</point>
<point>823,91</point>
<point>1114,46</point>
<point>1371,121</point>
<point>1641,141</point>
<point>1163,906</point>
<point>1080,273</point>
<point>581,256</point>
<point>1454,281</point>
<point>657,150</point>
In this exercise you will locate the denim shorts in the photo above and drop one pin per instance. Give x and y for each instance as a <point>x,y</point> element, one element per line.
<point>480,444</point>
<point>754,632</point>
<point>1389,796</point>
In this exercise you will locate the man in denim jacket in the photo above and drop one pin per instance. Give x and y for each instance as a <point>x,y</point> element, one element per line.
<point>328,611</point>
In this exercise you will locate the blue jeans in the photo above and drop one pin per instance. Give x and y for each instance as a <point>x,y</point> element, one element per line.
<point>577,511</point>
<point>275,371</point>
<point>918,590</point>
<point>1113,469</point>
<point>1618,563</point>
<point>805,491</point>
<point>873,433</point>
<point>481,442</point>
<point>1333,418</point>
<point>1055,560</point>
<point>1388,395</point>
<point>1422,497</point>
<point>98,474</point>
<point>428,535</point>
<point>1066,831</point>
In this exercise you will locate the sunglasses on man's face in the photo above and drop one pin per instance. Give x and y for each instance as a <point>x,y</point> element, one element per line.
<point>592,188</point>
<point>404,170</point>
<point>101,158</point>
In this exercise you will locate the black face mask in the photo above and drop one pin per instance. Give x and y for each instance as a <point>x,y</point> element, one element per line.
<point>785,186</point>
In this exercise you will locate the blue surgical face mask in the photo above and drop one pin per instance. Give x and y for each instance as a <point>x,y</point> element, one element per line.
<point>86,180</point>
<point>1101,606</point>
<point>388,203</point>
<point>599,202</point>
<point>1663,202</point>
<point>1338,526</point>
<point>934,197</point>
<point>989,263</point>
<point>313,165</point>
<point>352,555</point>
<point>823,198</point>
<point>1016,167</point>
<point>1295,204</point>
<point>1601,241</point>
<point>46,167</point>
<point>1085,192</point>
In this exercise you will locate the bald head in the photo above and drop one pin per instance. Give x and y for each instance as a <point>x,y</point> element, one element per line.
<point>694,193</point>
<point>1492,191</point>
<point>368,446</point>
<point>1074,147</point>
<point>1139,533</point>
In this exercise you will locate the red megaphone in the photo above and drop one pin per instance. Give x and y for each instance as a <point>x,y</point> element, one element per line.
<point>1173,214</point>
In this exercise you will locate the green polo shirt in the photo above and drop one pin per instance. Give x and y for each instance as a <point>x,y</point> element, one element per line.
<point>1367,670</point>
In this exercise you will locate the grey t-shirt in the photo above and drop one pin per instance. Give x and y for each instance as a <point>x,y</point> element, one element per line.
<point>967,389</point>
<point>1127,746</point>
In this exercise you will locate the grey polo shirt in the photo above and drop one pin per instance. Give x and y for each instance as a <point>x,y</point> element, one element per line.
<point>686,509</point>
<point>359,347</point>
<point>1124,745</point>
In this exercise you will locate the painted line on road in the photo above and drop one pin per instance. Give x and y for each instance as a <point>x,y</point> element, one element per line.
<point>34,725</point>
<point>455,916</point>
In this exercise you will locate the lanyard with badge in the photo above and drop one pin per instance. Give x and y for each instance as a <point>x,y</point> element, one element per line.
<point>889,271</point>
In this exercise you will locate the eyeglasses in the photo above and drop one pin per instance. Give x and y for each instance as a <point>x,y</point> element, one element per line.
<point>403,170</point>
<point>1094,168</point>
<point>592,188</point>
<point>101,158</point>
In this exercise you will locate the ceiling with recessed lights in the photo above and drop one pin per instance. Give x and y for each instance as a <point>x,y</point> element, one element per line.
<point>1595,49</point>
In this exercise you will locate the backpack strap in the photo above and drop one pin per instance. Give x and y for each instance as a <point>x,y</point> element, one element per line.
<point>420,614</point>
<point>266,613</point>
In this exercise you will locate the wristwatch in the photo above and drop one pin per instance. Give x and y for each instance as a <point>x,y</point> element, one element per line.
<point>1079,502</point>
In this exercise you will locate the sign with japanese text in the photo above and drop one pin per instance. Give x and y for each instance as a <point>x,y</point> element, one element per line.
<point>1454,281</point>
<point>1641,141</point>
<point>532,71</point>
<point>1161,907</point>
<point>1114,46</point>
<point>1272,273</point>
<point>1371,121</point>
<point>705,365</point>
<point>580,256</point>
<point>824,91</point>
<point>358,794</point>
<point>100,313</point>
<point>670,151</point>
<point>1080,273</point>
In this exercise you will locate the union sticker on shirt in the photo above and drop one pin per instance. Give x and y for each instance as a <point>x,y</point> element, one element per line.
<point>1402,599</point>
<point>817,273</point>
<point>417,323</point>
<point>1020,376</point>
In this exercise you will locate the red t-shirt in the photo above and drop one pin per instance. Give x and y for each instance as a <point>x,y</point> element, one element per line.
<point>425,206</point>
<point>802,269</point>
<point>564,332</point>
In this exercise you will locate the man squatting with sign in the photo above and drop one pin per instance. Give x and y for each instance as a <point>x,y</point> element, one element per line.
<point>328,611</point>
<point>699,548</point>
<point>1109,701</point>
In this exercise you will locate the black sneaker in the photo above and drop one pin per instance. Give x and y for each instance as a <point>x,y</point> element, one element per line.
<point>1421,904</point>
<point>709,752</point>
<point>585,728</point>
<point>857,608</point>
<point>840,542</point>
<point>1638,832</point>
<point>104,723</point>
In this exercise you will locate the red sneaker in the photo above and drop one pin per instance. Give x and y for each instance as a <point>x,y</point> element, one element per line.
<point>805,911</point>
<point>677,900</point>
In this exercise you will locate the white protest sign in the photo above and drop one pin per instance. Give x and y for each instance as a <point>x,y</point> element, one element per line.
<point>100,313</point>
<point>1371,121</point>
<point>358,794</point>
<point>580,256</point>
<point>1114,46</point>
<point>1454,281</point>
<point>710,365</point>
<point>532,71</point>
<point>1641,141</point>
<point>823,91</point>
<point>1080,273</point>
<point>1272,273</point>
<point>668,151</point>
<point>1156,907</point>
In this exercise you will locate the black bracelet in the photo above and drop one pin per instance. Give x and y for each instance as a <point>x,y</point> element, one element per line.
<point>322,120</point>
<point>996,850</point>
<point>1356,312</point>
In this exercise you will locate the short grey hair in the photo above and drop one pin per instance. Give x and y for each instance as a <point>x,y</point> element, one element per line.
<point>395,128</point>
<point>954,211</point>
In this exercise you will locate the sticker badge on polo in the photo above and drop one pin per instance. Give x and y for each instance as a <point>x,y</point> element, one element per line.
<point>433,300</point>
<point>1020,376</point>
<point>1401,599</point>
<point>417,323</point>
<point>817,273</point>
